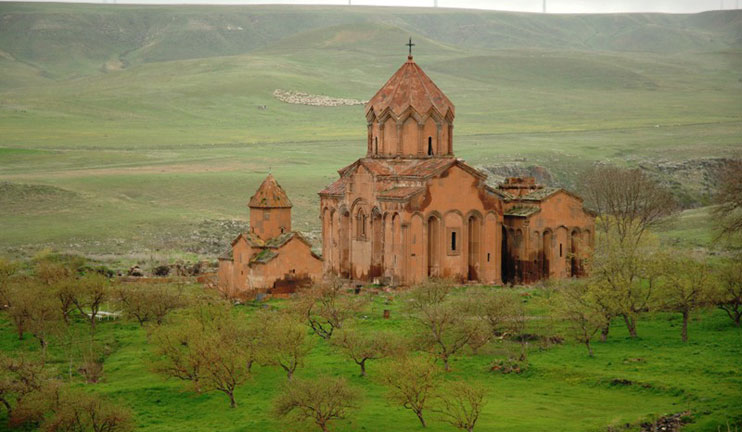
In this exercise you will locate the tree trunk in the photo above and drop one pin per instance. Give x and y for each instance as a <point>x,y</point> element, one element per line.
<point>420,416</point>
<point>249,365</point>
<point>685,325</point>
<point>232,402</point>
<point>7,407</point>
<point>604,332</point>
<point>445,364</point>
<point>630,325</point>
<point>589,348</point>
<point>289,374</point>
<point>363,367</point>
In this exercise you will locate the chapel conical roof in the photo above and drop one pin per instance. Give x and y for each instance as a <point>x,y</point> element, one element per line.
<point>410,87</point>
<point>270,195</point>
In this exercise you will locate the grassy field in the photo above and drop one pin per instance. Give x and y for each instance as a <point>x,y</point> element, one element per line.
<point>126,129</point>
<point>563,390</point>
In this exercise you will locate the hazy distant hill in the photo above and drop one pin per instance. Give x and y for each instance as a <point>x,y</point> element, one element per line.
<point>63,40</point>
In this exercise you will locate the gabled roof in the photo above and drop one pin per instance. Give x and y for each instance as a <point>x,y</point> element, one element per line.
<point>270,195</point>
<point>227,255</point>
<point>410,87</point>
<point>335,188</point>
<point>400,192</point>
<point>405,168</point>
<point>544,193</point>
<point>251,238</point>
<point>522,211</point>
<point>268,249</point>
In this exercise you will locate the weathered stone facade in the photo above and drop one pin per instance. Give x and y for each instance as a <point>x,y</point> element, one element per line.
<point>410,210</point>
<point>270,258</point>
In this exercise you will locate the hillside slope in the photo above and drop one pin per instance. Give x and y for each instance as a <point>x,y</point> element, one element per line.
<point>157,118</point>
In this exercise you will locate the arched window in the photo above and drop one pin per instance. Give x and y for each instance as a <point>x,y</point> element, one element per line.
<point>430,146</point>
<point>361,220</point>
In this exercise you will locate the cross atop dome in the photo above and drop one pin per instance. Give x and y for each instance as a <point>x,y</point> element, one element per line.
<point>410,45</point>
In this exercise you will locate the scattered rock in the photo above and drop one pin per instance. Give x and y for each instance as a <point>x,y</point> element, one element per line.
<point>668,423</point>
<point>135,271</point>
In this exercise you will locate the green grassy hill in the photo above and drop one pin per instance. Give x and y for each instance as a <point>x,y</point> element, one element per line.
<point>158,117</point>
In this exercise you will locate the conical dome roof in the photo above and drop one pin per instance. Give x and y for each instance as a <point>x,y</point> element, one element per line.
<point>270,195</point>
<point>410,87</point>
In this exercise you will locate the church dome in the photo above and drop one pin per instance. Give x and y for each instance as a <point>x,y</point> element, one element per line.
<point>270,195</point>
<point>410,87</point>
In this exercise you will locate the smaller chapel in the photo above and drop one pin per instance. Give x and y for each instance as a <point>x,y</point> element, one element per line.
<point>270,258</point>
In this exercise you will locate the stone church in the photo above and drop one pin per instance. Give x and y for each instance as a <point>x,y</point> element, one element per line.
<point>410,209</point>
<point>270,258</point>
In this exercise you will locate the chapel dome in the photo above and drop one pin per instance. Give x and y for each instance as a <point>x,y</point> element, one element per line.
<point>410,87</point>
<point>270,195</point>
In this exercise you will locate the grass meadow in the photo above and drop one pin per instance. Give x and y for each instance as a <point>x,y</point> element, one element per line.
<point>628,382</point>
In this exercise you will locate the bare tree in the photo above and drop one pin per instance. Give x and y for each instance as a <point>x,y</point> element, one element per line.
<point>8,270</point>
<point>286,344</point>
<point>493,306</point>
<point>20,377</point>
<point>204,349</point>
<point>575,302</point>
<point>446,328</point>
<point>44,316</point>
<point>411,382</point>
<point>74,411</point>
<point>461,404</point>
<point>59,279</point>
<point>689,286</point>
<point>362,347</point>
<point>321,401</point>
<point>627,200</point>
<point>20,301</point>
<point>149,302</point>
<point>728,212</point>
<point>326,307</point>
<point>91,292</point>
<point>728,297</point>
<point>430,292</point>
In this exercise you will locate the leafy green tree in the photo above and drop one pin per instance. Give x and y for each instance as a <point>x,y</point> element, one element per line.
<point>625,272</point>
<point>321,401</point>
<point>689,285</point>
<point>728,296</point>
<point>575,303</point>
